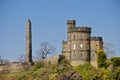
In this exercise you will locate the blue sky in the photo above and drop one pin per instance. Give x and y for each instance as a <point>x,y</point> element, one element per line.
<point>49,18</point>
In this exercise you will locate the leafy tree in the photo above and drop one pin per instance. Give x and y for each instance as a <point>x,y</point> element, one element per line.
<point>101,58</point>
<point>45,49</point>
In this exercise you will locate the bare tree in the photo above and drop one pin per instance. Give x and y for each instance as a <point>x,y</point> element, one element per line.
<point>3,61</point>
<point>6,65</point>
<point>21,58</point>
<point>45,49</point>
<point>108,48</point>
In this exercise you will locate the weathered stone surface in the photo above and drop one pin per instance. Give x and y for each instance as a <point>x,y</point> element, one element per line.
<point>28,42</point>
<point>80,47</point>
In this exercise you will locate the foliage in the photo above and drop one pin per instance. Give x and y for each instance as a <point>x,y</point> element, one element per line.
<point>63,60</point>
<point>64,71</point>
<point>90,73</point>
<point>107,63</point>
<point>52,76</point>
<point>39,64</point>
<point>21,76</point>
<point>63,64</point>
<point>50,72</point>
<point>117,73</point>
<point>115,61</point>
<point>101,60</point>
<point>86,70</point>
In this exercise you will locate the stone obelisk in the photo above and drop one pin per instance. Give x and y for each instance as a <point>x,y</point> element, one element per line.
<point>28,42</point>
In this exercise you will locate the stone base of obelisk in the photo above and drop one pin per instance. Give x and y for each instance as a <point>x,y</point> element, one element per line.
<point>27,65</point>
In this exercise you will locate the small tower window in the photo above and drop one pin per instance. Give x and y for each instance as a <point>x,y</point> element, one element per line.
<point>88,47</point>
<point>74,37</point>
<point>81,45</point>
<point>74,57</point>
<point>74,47</point>
<point>80,56</point>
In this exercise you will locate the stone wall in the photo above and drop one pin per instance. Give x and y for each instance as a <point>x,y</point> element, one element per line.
<point>52,60</point>
<point>11,67</point>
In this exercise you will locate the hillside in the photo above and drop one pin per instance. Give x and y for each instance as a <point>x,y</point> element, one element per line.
<point>63,71</point>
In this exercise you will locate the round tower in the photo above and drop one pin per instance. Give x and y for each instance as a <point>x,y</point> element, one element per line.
<point>80,44</point>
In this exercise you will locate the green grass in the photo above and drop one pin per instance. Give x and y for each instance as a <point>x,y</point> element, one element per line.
<point>53,72</point>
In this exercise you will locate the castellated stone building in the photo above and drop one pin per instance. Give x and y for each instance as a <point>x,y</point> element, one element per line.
<point>80,47</point>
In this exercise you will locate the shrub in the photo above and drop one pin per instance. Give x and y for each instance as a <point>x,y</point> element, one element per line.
<point>107,63</point>
<point>39,64</point>
<point>87,71</point>
<point>63,60</point>
<point>101,60</point>
<point>115,61</point>
<point>117,73</point>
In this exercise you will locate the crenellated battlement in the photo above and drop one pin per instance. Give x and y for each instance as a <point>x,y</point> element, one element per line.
<point>64,42</point>
<point>80,29</point>
<point>72,27</point>
<point>84,29</point>
<point>71,22</point>
<point>96,38</point>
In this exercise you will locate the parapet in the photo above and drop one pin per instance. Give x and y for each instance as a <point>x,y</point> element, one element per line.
<point>64,42</point>
<point>72,28</point>
<point>80,29</point>
<point>96,38</point>
<point>71,22</point>
<point>84,29</point>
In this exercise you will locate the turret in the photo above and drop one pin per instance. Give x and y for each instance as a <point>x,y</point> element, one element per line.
<point>71,24</point>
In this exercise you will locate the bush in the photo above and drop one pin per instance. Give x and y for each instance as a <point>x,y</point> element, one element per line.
<point>91,73</point>
<point>63,60</point>
<point>107,63</point>
<point>107,75</point>
<point>101,60</point>
<point>39,64</point>
<point>117,73</point>
<point>115,61</point>
<point>87,71</point>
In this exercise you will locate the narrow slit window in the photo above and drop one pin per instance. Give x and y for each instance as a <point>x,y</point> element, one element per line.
<point>81,45</point>
<point>88,47</point>
<point>74,47</point>
<point>74,37</point>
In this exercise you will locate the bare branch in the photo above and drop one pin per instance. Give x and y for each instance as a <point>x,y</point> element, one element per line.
<point>45,49</point>
<point>108,48</point>
<point>21,58</point>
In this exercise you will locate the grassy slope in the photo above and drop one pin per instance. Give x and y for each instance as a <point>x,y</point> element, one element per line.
<point>61,72</point>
